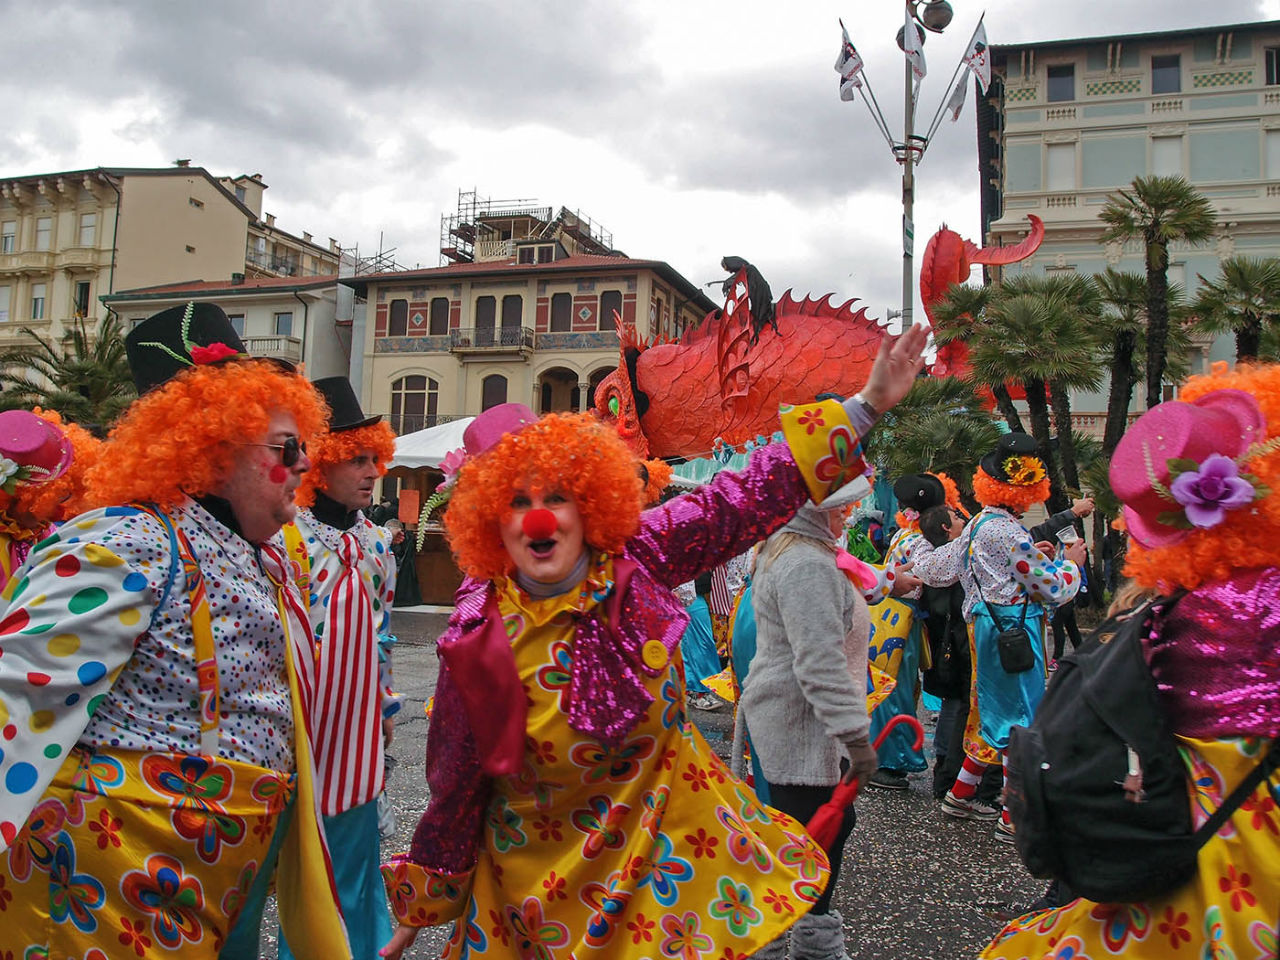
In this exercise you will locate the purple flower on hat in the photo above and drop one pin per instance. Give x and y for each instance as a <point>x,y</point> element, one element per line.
<point>452,463</point>
<point>1211,489</point>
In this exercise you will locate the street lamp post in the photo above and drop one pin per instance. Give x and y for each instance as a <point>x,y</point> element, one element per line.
<point>934,16</point>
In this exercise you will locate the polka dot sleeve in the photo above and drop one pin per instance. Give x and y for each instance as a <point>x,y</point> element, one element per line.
<point>68,629</point>
<point>1046,581</point>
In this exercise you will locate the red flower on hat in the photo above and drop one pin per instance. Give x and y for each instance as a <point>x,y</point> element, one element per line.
<point>212,353</point>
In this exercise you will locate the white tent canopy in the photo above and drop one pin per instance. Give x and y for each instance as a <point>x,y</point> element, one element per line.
<point>427,448</point>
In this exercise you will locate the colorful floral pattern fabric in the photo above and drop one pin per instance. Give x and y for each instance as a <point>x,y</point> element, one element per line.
<point>651,849</point>
<point>84,656</point>
<point>1229,910</point>
<point>95,866</point>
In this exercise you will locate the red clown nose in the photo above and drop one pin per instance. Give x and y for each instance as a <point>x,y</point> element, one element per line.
<point>540,524</point>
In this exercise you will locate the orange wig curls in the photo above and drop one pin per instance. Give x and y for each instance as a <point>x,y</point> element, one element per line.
<point>339,447</point>
<point>1246,538</point>
<point>182,438</point>
<point>66,496</point>
<point>990,492</point>
<point>574,454</point>
<point>659,476</point>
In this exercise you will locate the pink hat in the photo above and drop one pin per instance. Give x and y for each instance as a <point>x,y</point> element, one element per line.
<point>34,444</point>
<point>1220,425</point>
<point>486,430</point>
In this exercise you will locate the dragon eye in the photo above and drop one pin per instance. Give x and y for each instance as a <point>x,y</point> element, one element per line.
<point>614,406</point>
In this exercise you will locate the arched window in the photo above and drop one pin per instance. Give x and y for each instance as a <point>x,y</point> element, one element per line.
<point>561,312</point>
<point>610,303</point>
<point>413,403</point>
<point>399,322</point>
<point>439,317</point>
<point>493,391</point>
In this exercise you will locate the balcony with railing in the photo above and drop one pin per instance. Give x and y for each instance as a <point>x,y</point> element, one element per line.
<point>276,347</point>
<point>413,422</point>
<point>492,340</point>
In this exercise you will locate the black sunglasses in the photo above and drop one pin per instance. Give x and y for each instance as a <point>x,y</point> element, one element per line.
<point>290,450</point>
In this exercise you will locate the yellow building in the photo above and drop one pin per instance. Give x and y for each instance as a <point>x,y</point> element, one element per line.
<point>67,239</point>
<point>524,311</point>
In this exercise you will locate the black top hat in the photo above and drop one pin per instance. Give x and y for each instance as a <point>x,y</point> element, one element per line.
<point>343,404</point>
<point>1010,445</point>
<point>179,338</point>
<point>919,491</point>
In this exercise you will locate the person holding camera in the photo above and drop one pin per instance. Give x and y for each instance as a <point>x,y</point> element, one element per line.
<point>1008,581</point>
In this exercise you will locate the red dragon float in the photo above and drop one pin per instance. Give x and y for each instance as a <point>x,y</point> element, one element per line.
<point>722,382</point>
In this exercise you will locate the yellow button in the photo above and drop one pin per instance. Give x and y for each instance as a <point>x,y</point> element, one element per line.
<point>655,654</point>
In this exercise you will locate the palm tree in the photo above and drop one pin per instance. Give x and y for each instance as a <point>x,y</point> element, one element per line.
<point>1160,210</point>
<point>87,379</point>
<point>1244,300</point>
<point>959,308</point>
<point>937,427</point>
<point>1034,331</point>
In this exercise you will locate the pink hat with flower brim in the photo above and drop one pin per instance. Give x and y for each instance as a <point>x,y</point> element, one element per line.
<point>484,432</point>
<point>36,451</point>
<point>1177,468</point>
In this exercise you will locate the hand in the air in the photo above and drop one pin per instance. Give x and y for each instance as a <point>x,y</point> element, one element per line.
<point>898,362</point>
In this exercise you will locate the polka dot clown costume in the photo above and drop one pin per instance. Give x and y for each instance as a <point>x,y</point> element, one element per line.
<point>575,811</point>
<point>1007,581</point>
<point>352,586</point>
<point>156,674</point>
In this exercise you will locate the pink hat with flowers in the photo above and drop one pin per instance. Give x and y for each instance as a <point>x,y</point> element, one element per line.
<point>1179,467</point>
<point>32,450</point>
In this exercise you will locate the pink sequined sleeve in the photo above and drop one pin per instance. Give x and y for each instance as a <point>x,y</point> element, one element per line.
<point>701,529</point>
<point>429,884</point>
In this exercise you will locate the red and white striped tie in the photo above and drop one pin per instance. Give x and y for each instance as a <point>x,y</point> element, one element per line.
<point>347,721</point>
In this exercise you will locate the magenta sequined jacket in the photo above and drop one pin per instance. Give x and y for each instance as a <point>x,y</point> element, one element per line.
<point>1216,657</point>
<point>684,537</point>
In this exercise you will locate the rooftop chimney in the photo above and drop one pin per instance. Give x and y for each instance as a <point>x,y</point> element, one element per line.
<point>271,219</point>
<point>306,236</point>
<point>182,163</point>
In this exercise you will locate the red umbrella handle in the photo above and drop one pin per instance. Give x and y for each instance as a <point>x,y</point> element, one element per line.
<point>879,741</point>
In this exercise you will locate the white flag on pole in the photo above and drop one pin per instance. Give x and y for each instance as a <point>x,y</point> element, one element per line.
<point>956,103</point>
<point>978,57</point>
<point>849,65</point>
<point>912,47</point>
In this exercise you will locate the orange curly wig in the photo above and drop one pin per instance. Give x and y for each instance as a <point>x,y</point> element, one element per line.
<point>659,476</point>
<point>182,438</point>
<point>990,492</point>
<point>340,447</point>
<point>1245,538</point>
<point>950,496</point>
<point>575,454</point>
<point>66,496</point>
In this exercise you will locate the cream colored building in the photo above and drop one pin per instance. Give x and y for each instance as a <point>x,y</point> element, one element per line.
<point>69,239</point>
<point>456,340</point>
<point>292,318</point>
<point>1066,123</point>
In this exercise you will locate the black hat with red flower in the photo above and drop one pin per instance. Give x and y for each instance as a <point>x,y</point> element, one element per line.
<point>179,338</point>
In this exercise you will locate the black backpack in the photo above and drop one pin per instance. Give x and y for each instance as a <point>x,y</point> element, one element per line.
<point>948,639</point>
<point>1097,789</point>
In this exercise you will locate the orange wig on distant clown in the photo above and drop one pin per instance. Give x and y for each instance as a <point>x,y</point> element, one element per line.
<point>182,438</point>
<point>64,497</point>
<point>341,446</point>
<point>573,454</point>
<point>1019,498</point>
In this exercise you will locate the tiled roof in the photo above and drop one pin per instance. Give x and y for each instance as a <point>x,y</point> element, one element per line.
<point>224,287</point>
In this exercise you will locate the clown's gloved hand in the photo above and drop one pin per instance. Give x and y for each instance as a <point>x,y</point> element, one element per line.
<point>863,760</point>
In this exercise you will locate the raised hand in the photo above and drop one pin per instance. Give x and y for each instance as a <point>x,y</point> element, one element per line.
<point>898,362</point>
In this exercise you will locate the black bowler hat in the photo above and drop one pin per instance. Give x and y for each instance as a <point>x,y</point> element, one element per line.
<point>919,492</point>
<point>343,405</point>
<point>1010,445</point>
<point>179,338</point>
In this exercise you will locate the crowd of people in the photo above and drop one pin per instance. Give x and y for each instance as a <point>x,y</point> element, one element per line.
<point>196,694</point>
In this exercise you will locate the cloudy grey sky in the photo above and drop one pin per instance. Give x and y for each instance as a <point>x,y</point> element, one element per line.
<point>688,129</point>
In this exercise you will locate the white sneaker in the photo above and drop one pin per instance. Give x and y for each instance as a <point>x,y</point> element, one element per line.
<point>973,809</point>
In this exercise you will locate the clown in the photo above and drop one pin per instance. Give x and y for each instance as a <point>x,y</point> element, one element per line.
<point>1198,478</point>
<point>572,804</point>
<point>34,455</point>
<point>352,585</point>
<point>156,668</point>
<point>1007,581</point>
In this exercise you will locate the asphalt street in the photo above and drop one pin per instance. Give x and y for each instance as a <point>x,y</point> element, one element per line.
<point>914,883</point>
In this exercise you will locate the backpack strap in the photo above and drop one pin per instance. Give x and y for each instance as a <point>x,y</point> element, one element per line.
<point>1262,771</point>
<point>978,583</point>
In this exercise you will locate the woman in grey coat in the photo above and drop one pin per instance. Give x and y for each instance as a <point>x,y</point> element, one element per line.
<point>805,700</point>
